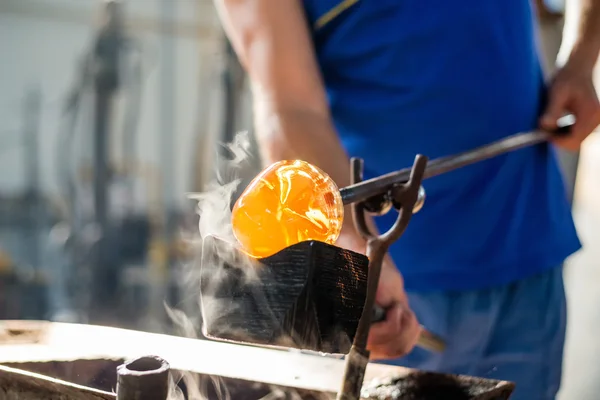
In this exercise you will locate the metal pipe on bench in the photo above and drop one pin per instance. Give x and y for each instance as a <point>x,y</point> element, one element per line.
<point>144,378</point>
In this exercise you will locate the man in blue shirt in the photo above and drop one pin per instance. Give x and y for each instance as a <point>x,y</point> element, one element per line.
<point>384,80</point>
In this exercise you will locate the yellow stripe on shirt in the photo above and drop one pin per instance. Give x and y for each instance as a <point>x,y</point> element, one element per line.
<point>334,13</point>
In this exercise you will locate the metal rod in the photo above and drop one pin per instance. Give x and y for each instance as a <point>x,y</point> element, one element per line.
<point>377,186</point>
<point>377,247</point>
<point>143,378</point>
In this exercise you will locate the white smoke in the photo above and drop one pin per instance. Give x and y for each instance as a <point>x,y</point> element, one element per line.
<point>214,205</point>
<point>214,212</point>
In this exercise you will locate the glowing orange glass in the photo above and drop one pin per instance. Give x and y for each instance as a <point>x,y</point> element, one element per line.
<point>287,203</point>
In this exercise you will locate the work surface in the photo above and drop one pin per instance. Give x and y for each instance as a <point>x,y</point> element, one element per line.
<point>23,342</point>
<point>41,341</point>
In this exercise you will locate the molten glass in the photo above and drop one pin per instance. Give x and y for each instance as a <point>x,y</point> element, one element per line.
<point>288,203</point>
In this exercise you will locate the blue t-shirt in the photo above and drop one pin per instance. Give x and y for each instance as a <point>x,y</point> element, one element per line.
<point>436,78</point>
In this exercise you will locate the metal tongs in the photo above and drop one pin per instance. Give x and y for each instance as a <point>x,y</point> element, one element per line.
<point>403,191</point>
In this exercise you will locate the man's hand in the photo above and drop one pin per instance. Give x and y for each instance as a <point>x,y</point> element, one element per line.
<point>398,334</point>
<point>572,89</point>
<point>572,92</point>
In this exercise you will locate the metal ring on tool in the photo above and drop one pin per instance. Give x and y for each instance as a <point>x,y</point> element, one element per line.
<point>420,200</point>
<point>365,190</point>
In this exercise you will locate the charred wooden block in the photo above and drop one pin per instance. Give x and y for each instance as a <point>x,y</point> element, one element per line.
<point>308,296</point>
<point>433,386</point>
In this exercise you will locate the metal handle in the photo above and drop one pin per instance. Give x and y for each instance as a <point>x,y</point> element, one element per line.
<point>427,340</point>
<point>365,190</point>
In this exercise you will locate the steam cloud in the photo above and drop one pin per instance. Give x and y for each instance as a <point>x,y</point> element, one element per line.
<point>214,211</point>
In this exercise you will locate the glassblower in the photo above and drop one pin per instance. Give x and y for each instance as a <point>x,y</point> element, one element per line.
<point>284,283</point>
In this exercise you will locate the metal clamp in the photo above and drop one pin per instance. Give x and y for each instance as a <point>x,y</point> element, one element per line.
<point>398,197</point>
<point>405,197</point>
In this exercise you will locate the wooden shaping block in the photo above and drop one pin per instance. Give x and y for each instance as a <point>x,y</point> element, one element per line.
<point>432,386</point>
<point>308,296</point>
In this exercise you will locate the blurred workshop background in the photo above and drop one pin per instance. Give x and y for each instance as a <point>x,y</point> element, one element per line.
<point>111,113</point>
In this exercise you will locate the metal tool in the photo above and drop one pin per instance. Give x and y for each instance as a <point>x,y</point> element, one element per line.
<point>403,189</point>
<point>406,195</point>
<point>372,189</point>
<point>143,378</point>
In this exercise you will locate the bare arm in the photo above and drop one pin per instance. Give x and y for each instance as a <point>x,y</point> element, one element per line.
<point>587,43</point>
<point>572,89</point>
<point>272,40</point>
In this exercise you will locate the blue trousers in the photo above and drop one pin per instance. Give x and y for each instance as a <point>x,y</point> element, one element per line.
<point>514,333</point>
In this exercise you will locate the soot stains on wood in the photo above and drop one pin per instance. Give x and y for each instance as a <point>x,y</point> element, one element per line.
<point>309,295</point>
<point>433,386</point>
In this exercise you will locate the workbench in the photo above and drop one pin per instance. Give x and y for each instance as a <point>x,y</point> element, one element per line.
<point>70,361</point>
